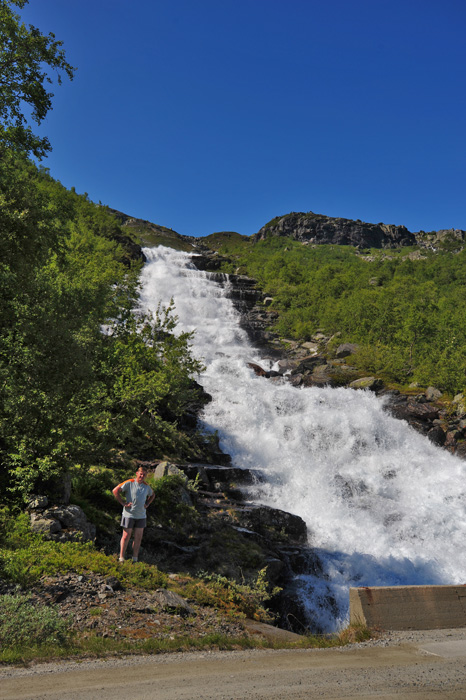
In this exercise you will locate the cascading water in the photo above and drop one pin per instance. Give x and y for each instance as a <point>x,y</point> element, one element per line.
<point>383,505</point>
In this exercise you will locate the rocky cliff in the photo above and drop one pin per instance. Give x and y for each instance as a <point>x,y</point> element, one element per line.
<point>313,228</point>
<point>316,228</point>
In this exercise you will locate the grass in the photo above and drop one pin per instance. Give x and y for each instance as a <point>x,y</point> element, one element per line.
<point>100,647</point>
<point>26,566</point>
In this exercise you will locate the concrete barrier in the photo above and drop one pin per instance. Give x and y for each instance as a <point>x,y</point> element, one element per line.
<point>409,607</point>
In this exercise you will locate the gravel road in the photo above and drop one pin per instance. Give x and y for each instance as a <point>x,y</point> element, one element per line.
<point>403,665</point>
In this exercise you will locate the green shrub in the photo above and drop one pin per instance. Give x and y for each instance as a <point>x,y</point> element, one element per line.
<point>409,325</point>
<point>22,623</point>
<point>170,507</point>
<point>15,530</point>
<point>232,597</point>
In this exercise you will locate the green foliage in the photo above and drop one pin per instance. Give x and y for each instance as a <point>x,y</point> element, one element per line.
<point>25,566</point>
<point>26,58</point>
<point>15,530</point>
<point>152,235</point>
<point>71,393</point>
<point>23,623</point>
<point>229,553</point>
<point>82,375</point>
<point>406,314</point>
<point>170,508</point>
<point>232,597</point>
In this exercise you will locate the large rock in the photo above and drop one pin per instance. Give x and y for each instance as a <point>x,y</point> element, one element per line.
<point>371,383</point>
<point>62,523</point>
<point>169,600</point>
<point>346,349</point>
<point>44,525</point>
<point>168,469</point>
<point>272,523</point>
<point>432,394</point>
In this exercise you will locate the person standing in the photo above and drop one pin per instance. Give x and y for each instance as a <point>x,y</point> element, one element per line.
<point>137,497</point>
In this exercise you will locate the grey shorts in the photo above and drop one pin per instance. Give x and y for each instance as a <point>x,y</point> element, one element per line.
<point>129,523</point>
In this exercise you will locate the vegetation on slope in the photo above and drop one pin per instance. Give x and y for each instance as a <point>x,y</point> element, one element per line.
<point>405,309</point>
<point>83,376</point>
<point>30,629</point>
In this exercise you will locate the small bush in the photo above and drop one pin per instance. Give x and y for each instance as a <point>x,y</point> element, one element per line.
<point>15,530</point>
<point>233,598</point>
<point>170,506</point>
<point>22,623</point>
<point>354,634</point>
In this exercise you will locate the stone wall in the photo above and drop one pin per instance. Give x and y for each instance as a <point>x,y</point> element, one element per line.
<point>409,607</point>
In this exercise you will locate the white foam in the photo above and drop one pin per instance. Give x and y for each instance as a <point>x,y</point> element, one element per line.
<point>383,505</point>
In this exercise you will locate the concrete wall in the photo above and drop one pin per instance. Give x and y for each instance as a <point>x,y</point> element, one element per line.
<point>409,607</point>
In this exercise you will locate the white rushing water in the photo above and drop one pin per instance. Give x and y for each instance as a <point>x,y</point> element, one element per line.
<point>383,505</point>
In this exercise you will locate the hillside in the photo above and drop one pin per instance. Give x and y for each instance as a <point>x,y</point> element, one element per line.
<point>398,295</point>
<point>307,228</point>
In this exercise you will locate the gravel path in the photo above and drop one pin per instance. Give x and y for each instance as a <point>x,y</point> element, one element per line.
<point>401,665</point>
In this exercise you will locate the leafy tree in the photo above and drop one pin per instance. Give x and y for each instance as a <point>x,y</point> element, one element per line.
<point>69,392</point>
<point>27,57</point>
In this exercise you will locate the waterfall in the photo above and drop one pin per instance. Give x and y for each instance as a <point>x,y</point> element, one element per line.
<point>383,505</point>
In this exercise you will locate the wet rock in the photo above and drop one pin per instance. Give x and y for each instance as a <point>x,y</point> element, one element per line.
<point>258,370</point>
<point>461,450</point>
<point>219,477</point>
<point>437,435</point>
<point>207,260</point>
<point>309,364</point>
<point>272,522</point>
<point>322,375</point>
<point>413,410</point>
<point>287,365</point>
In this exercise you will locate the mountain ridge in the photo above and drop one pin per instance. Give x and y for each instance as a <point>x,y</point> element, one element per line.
<point>314,228</point>
<point>308,228</point>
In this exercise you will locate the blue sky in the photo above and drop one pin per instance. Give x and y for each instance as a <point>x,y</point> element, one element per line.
<point>212,115</point>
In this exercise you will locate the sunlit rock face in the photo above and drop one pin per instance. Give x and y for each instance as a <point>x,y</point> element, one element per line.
<point>316,228</point>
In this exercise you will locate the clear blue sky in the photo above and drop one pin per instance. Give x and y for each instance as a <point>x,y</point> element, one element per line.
<point>211,115</point>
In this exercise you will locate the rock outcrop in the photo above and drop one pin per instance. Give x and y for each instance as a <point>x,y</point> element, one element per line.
<point>63,523</point>
<point>319,229</point>
<point>452,239</point>
<point>310,228</point>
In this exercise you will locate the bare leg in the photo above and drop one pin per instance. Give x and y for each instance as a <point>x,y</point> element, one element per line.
<point>137,541</point>
<point>125,538</point>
